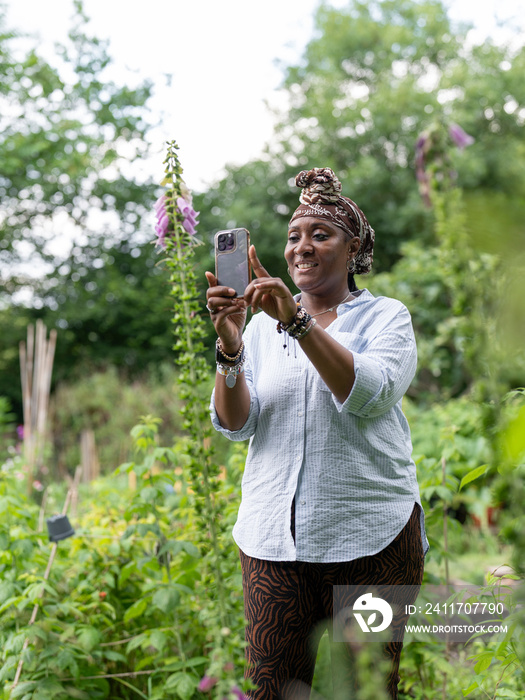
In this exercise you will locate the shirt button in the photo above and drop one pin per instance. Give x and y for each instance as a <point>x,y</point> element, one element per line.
<point>303,503</point>
<point>300,414</point>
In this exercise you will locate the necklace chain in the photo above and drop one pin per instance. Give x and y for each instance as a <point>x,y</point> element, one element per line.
<point>320,313</point>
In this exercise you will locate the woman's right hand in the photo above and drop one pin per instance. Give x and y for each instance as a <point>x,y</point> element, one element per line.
<point>228,314</point>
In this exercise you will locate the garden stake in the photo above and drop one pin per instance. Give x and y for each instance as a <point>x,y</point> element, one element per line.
<point>35,609</point>
<point>36,367</point>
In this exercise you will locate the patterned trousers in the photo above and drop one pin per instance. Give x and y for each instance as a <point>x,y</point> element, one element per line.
<point>289,604</point>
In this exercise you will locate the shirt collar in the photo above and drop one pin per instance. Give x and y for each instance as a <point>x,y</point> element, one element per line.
<point>363,297</point>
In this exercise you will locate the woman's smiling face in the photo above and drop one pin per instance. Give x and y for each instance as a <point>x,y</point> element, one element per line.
<point>317,252</point>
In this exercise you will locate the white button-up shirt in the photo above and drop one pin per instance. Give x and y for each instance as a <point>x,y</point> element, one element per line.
<point>348,465</point>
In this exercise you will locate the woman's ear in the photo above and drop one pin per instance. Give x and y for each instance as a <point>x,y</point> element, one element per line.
<point>354,246</point>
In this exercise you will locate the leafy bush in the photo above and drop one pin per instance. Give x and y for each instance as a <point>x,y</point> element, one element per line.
<point>122,613</point>
<point>6,426</point>
<point>108,404</point>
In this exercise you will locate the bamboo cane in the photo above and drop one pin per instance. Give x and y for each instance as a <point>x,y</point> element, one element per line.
<point>36,367</point>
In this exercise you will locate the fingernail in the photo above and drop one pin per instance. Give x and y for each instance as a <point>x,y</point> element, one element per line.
<point>231,291</point>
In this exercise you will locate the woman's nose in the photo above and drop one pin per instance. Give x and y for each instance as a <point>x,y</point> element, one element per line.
<point>303,247</point>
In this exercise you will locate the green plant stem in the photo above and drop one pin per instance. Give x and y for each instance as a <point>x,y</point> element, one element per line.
<point>132,687</point>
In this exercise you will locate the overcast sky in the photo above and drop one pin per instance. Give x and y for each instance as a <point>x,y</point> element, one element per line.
<point>224,58</point>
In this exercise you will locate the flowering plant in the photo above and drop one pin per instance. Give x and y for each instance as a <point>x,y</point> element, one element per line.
<point>174,208</point>
<point>433,166</point>
<point>459,136</point>
<point>175,230</point>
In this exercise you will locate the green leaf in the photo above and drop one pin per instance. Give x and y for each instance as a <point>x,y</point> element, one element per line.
<point>23,688</point>
<point>125,468</point>
<point>13,601</point>
<point>469,690</point>
<point>484,661</point>
<point>135,642</point>
<point>76,693</point>
<point>191,549</point>
<point>136,609</point>
<point>508,636</point>
<point>114,549</point>
<point>88,638</point>
<point>115,656</point>
<point>473,475</point>
<point>126,572</point>
<point>158,640</point>
<point>183,684</point>
<point>514,437</point>
<point>149,494</point>
<point>166,599</point>
<point>7,589</point>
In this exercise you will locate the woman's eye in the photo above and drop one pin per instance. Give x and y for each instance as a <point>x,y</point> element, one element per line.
<point>293,239</point>
<point>320,236</point>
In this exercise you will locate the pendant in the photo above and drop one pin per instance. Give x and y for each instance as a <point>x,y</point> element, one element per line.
<point>231,380</point>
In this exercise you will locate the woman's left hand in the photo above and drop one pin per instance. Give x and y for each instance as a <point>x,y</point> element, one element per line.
<point>269,293</point>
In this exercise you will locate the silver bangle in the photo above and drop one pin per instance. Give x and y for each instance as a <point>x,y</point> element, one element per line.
<point>231,372</point>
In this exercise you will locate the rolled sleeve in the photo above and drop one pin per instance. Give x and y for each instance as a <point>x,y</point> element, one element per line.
<point>247,430</point>
<point>367,386</point>
<point>383,372</point>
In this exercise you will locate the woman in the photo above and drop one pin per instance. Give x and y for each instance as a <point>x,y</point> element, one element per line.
<point>329,493</point>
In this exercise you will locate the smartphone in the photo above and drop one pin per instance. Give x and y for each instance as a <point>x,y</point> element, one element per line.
<point>232,266</point>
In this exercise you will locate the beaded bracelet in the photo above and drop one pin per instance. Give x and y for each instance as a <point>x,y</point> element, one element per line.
<point>300,325</point>
<point>304,331</point>
<point>231,372</point>
<point>221,357</point>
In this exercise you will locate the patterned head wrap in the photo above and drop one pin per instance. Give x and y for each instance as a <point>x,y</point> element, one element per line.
<point>321,198</point>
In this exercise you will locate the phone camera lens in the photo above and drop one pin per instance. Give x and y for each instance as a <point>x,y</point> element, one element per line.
<point>221,246</point>
<point>221,238</point>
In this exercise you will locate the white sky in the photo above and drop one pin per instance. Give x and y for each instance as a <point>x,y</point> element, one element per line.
<point>223,57</point>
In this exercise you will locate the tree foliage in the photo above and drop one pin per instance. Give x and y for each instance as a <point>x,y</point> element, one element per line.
<point>73,200</point>
<point>373,76</point>
<point>67,139</point>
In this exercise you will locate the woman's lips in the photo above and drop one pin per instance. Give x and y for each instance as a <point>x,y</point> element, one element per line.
<point>305,266</point>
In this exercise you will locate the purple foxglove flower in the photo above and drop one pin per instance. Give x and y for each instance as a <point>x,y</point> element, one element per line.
<point>189,214</point>
<point>459,136</point>
<point>421,142</point>
<point>206,683</point>
<point>183,205</point>
<point>163,221</point>
<point>237,692</point>
<point>185,208</point>
<point>20,432</point>
<point>160,203</point>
